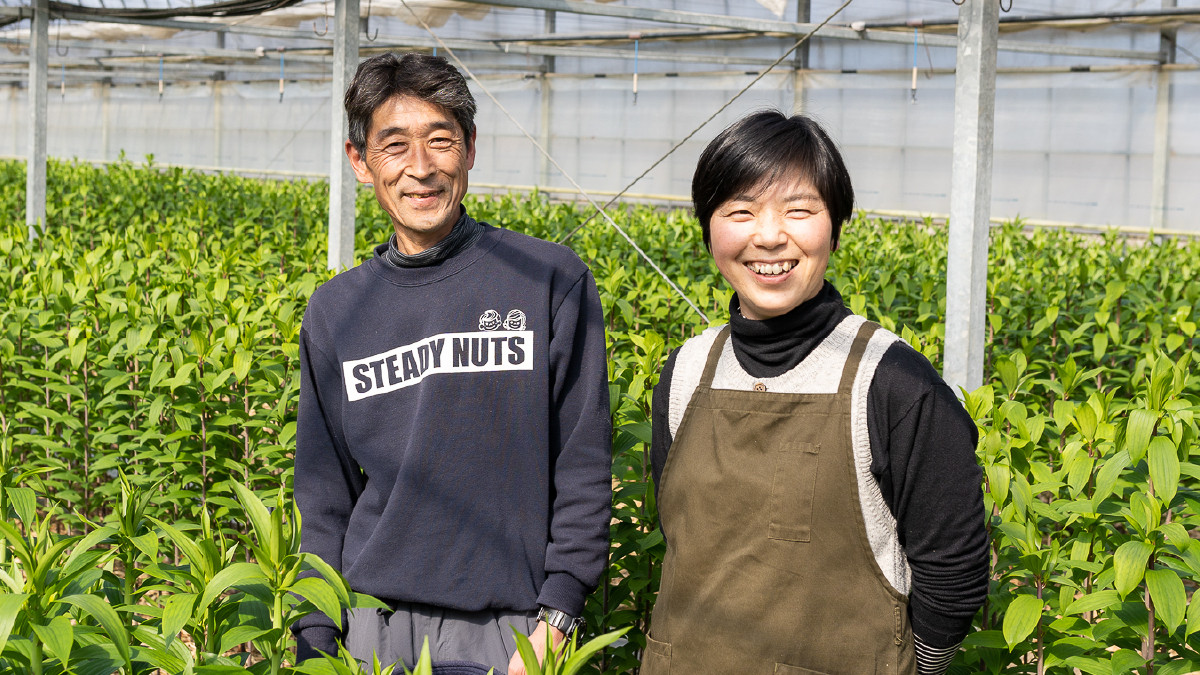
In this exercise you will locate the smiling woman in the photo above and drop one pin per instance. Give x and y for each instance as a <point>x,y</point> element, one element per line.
<point>817,485</point>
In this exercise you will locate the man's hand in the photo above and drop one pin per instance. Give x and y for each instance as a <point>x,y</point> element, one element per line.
<point>516,666</point>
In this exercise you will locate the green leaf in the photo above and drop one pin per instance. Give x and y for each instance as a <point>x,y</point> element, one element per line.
<point>1138,431</point>
<point>1193,616</point>
<point>177,611</point>
<point>24,503</point>
<point>107,617</point>
<point>318,592</point>
<point>58,636</point>
<point>1093,602</point>
<point>1179,666</point>
<point>1106,477</point>
<point>10,608</point>
<point>1170,600</point>
<point>242,360</point>
<point>1021,617</point>
<point>1129,562</point>
<point>584,653</point>
<point>991,639</point>
<point>237,573</point>
<point>1163,460</point>
<point>260,520</point>
<point>528,657</point>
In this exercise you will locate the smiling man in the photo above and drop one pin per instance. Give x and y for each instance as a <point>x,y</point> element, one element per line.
<point>452,446</point>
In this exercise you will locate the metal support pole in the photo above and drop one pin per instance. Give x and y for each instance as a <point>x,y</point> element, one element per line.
<point>546,95</point>
<point>801,60</point>
<point>342,184</point>
<point>35,163</point>
<point>1162,128</point>
<point>970,193</point>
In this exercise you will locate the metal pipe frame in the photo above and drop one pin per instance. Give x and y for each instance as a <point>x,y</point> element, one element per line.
<point>35,165</point>
<point>970,194</point>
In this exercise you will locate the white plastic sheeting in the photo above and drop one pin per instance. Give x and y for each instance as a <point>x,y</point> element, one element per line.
<point>1070,146</point>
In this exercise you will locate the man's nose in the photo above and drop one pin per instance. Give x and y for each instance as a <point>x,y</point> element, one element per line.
<point>421,166</point>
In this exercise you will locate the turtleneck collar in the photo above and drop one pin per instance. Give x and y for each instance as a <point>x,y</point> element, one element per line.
<point>463,234</point>
<point>772,347</point>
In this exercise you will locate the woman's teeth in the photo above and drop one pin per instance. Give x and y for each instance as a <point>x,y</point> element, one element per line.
<point>771,269</point>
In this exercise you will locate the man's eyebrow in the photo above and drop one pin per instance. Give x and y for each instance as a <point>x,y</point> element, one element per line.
<point>443,125</point>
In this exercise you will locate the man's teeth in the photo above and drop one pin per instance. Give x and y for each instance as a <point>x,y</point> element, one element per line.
<point>772,268</point>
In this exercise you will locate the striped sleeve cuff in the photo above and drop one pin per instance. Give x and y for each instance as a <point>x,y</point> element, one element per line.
<point>933,660</point>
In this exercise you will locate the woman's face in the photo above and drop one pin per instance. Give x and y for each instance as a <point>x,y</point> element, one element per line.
<point>772,245</point>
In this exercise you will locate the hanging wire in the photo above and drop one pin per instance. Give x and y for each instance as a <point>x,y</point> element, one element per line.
<point>324,15</point>
<point>599,209</point>
<point>57,37</point>
<point>558,166</point>
<point>367,25</point>
<point>929,58</point>
<point>1002,8</point>
<point>711,117</point>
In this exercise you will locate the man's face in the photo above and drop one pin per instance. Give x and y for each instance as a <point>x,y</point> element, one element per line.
<point>417,157</point>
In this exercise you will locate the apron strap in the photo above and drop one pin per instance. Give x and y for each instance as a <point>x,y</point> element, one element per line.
<point>850,369</point>
<point>714,355</point>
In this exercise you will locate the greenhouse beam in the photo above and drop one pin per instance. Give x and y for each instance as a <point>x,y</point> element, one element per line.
<point>342,183</point>
<point>798,29</point>
<point>35,164</point>
<point>970,193</point>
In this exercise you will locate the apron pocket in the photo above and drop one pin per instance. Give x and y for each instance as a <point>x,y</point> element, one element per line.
<point>792,491</point>
<point>657,659</point>
<point>785,669</point>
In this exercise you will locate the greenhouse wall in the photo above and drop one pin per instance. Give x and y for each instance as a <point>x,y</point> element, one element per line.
<point>1070,147</point>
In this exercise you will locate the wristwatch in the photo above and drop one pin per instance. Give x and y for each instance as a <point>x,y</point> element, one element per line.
<point>561,620</point>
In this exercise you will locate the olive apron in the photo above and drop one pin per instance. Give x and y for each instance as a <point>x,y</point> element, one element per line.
<point>768,567</point>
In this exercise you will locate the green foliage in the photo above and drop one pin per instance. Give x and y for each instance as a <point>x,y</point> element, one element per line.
<point>148,361</point>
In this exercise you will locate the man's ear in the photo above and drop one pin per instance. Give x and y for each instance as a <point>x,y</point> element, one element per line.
<point>359,164</point>
<point>471,151</point>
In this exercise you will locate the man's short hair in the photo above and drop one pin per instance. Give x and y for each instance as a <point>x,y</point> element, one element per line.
<point>429,78</point>
<point>766,147</point>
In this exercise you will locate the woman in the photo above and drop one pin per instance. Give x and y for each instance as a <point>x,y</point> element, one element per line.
<point>817,482</point>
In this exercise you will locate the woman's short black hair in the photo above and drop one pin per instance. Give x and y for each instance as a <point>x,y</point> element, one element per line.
<point>429,78</point>
<point>766,147</point>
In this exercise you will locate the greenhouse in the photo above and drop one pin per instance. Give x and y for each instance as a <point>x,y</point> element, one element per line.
<point>176,184</point>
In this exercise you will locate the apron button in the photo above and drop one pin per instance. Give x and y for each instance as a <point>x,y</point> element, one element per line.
<point>759,386</point>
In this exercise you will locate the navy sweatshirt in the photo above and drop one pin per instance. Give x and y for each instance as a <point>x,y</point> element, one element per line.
<point>923,456</point>
<point>453,434</point>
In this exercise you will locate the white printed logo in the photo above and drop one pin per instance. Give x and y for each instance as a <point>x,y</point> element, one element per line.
<point>515,320</point>
<point>489,320</point>
<point>490,351</point>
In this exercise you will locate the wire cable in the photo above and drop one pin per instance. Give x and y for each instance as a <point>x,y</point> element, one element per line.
<point>599,209</point>
<point>711,117</point>
<point>558,166</point>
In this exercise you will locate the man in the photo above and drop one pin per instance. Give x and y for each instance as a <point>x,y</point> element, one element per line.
<point>452,448</point>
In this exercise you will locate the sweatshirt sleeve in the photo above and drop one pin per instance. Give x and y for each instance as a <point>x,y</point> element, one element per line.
<point>923,453</point>
<point>326,481</point>
<point>580,442</point>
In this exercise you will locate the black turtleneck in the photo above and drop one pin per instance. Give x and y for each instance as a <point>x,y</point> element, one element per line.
<point>922,454</point>
<point>772,347</point>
